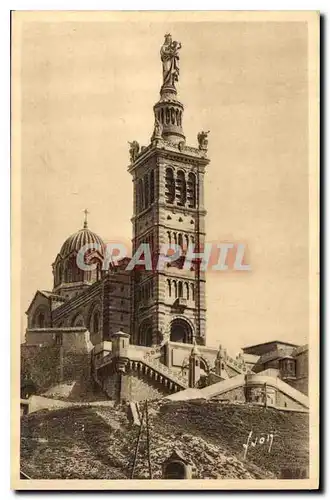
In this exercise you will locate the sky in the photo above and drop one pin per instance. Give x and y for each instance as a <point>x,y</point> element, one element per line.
<point>87,88</point>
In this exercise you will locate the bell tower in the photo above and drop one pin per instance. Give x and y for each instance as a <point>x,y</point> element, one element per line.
<point>168,186</point>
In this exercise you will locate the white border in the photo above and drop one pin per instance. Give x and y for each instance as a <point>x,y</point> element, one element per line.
<point>5,157</point>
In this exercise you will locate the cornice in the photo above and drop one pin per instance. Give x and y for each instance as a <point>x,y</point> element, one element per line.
<point>164,149</point>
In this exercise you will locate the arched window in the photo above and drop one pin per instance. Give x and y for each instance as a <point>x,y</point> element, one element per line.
<point>173,116</point>
<point>187,290</point>
<point>41,320</point>
<point>146,191</point>
<point>175,289</point>
<point>59,273</point>
<point>152,186</point>
<point>180,289</point>
<point>169,186</point>
<point>180,240</point>
<point>192,286</point>
<point>78,320</point>
<point>177,119</point>
<point>140,195</point>
<point>169,287</point>
<point>145,333</point>
<point>95,322</point>
<point>169,237</point>
<point>77,272</point>
<point>191,190</point>
<point>180,188</point>
<point>72,272</point>
<point>167,114</point>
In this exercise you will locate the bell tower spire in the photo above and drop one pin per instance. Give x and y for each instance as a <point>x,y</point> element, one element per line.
<point>168,303</point>
<point>168,110</point>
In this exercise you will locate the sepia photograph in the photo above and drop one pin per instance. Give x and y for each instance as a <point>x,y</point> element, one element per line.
<point>165,229</point>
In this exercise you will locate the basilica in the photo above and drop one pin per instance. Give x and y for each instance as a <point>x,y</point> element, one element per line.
<point>133,335</point>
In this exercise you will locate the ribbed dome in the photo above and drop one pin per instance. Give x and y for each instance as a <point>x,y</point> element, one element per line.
<point>77,240</point>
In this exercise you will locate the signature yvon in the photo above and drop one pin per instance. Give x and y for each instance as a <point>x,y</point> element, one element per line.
<point>261,440</point>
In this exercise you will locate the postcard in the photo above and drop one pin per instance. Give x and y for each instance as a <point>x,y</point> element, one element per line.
<point>165,242</point>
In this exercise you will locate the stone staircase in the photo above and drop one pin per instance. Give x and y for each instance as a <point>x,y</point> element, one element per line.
<point>237,365</point>
<point>165,372</point>
<point>149,365</point>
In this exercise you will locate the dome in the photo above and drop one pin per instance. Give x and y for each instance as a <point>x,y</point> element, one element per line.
<point>79,239</point>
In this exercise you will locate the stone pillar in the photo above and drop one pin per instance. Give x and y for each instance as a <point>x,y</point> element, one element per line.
<point>120,345</point>
<point>219,361</point>
<point>194,366</point>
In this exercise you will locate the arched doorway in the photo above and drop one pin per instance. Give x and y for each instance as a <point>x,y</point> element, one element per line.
<point>175,470</point>
<point>181,331</point>
<point>177,467</point>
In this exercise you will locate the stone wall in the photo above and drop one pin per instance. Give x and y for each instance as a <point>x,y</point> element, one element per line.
<point>116,303</point>
<point>177,355</point>
<point>40,337</point>
<point>256,395</point>
<point>111,386</point>
<point>75,339</point>
<point>237,394</point>
<point>53,356</point>
<point>41,365</point>
<point>133,386</point>
<point>285,401</point>
<point>48,366</point>
<point>300,384</point>
<point>76,366</point>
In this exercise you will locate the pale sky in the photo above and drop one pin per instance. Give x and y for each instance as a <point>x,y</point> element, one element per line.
<point>89,88</point>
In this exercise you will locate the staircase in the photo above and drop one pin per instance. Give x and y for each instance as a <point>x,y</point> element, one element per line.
<point>149,366</point>
<point>235,364</point>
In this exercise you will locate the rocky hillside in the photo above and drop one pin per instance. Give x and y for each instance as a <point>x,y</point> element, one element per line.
<point>99,442</point>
